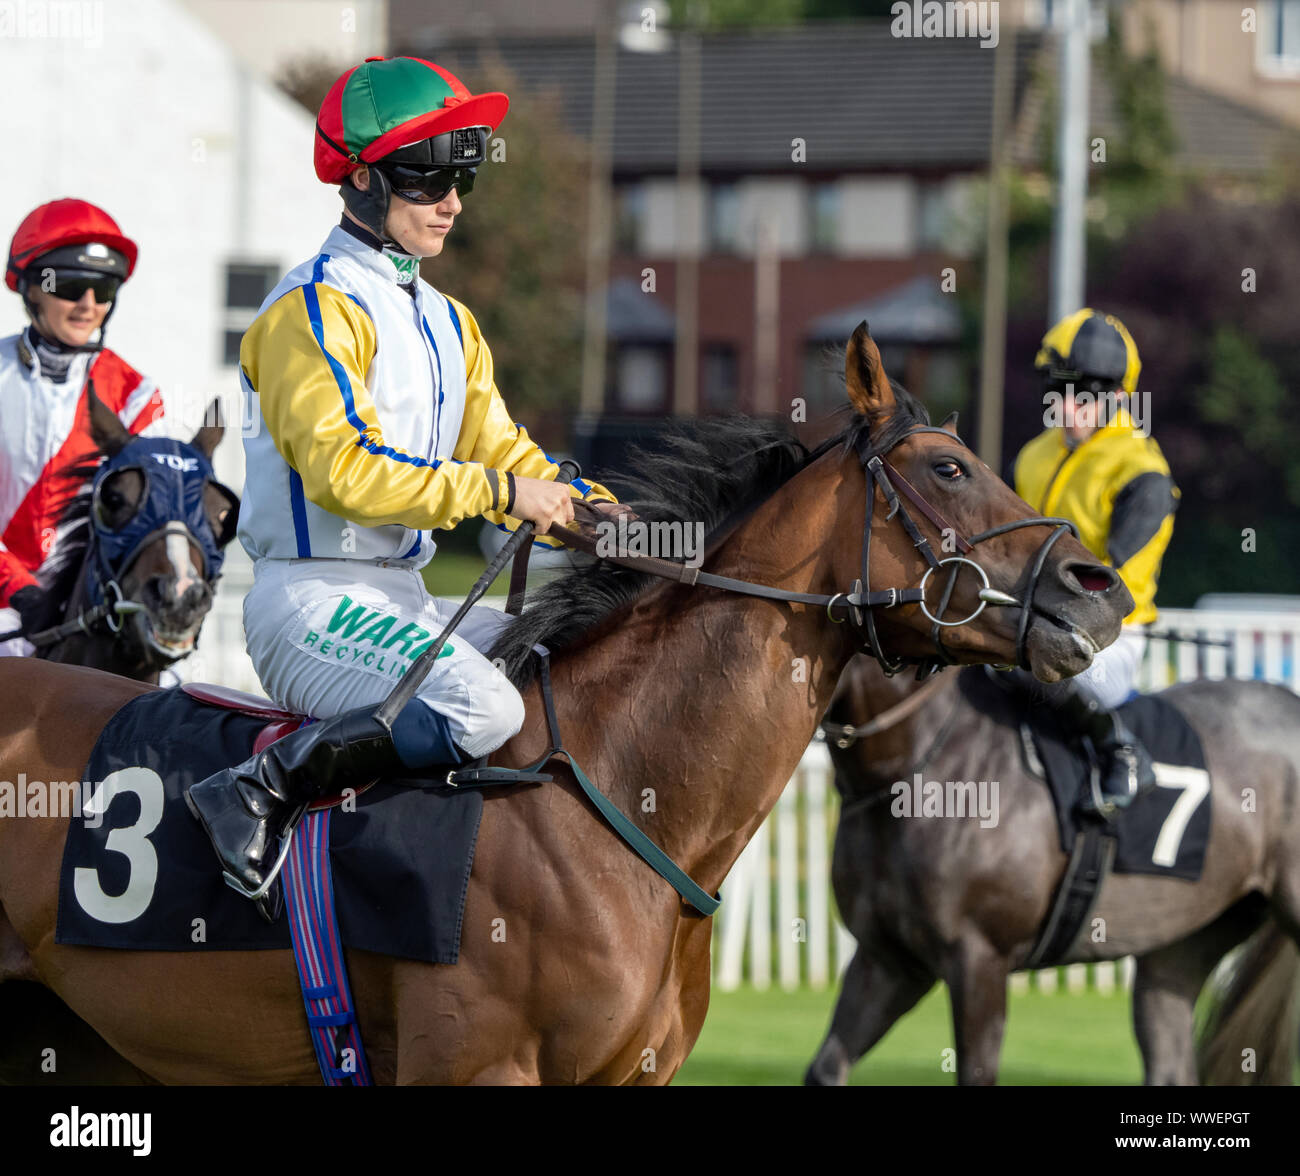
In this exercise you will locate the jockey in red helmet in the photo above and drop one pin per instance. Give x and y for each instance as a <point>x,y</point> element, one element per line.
<point>67,261</point>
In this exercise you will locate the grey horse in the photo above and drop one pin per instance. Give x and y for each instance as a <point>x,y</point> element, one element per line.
<point>950,899</point>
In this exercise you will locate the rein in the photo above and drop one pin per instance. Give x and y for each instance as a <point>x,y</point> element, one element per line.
<point>844,735</point>
<point>860,600</point>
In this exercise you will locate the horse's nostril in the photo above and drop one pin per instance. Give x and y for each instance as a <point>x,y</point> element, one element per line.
<point>1093,577</point>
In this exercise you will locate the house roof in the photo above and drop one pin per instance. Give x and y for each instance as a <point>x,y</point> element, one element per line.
<point>860,98</point>
<point>634,316</point>
<point>915,312</point>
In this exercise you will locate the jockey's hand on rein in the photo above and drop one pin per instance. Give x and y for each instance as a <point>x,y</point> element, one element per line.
<point>544,504</point>
<point>35,608</point>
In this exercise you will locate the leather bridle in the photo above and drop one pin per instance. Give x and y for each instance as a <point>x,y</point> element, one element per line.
<point>860,601</point>
<point>892,483</point>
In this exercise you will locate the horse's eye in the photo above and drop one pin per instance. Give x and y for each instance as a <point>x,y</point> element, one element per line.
<point>949,469</point>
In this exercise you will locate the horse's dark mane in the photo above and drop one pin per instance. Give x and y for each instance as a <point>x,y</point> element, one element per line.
<point>61,570</point>
<point>711,471</point>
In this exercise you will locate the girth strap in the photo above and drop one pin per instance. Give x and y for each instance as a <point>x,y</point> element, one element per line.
<point>650,853</point>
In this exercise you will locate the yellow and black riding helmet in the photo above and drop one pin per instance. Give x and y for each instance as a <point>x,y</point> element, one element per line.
<point>1092,351</point>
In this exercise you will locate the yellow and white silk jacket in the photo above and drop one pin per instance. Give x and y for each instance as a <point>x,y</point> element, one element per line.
<point>374,415</point>
<point>1117,489</point>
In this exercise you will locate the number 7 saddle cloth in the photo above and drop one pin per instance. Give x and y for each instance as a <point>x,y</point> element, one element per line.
<point>1166,831</point>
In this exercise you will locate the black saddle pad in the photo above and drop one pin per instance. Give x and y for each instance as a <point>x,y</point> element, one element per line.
<point>1164,832</point>
<point>144,875</point>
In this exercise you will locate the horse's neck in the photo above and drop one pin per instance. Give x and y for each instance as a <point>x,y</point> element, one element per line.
<point>709,699</point>
<point>901,748</point>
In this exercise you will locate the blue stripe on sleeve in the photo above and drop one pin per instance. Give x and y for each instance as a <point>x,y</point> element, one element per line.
<point>298,500</point>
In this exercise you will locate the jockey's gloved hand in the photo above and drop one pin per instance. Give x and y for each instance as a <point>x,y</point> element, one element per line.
<point>35,608</point>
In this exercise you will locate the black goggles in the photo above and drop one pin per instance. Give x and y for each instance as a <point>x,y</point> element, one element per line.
<point>426,185</point>
<point>71,286</point>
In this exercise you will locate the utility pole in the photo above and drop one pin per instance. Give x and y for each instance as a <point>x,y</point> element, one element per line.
<point>993,344</point>
<point>1069,241</point>
<point>689,226</point>
<point>599,200</point>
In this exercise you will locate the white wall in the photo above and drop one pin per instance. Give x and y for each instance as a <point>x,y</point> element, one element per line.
<point>268,34</point>
<point>198,159</point>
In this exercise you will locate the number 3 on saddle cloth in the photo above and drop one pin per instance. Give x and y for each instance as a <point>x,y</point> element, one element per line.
<point>385,871</point>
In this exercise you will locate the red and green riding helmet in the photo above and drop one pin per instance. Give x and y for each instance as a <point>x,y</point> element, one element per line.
<point>387,103</point>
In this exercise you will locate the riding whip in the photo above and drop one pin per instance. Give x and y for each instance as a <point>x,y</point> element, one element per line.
<point>405,689</point>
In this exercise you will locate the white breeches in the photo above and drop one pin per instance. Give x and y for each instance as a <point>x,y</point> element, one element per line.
<point>1113,673</point>
<point>327,635</point>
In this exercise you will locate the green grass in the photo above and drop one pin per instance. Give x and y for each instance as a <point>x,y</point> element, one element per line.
<point>452,573</point>
<point>755,1038</point>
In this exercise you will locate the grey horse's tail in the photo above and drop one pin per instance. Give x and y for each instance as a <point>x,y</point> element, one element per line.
<point>1248,1037</point>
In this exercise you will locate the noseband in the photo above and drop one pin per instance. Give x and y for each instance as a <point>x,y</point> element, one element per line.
<point>857,604</point>
<point>861,600</point>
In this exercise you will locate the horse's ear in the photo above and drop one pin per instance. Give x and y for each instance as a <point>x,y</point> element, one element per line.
<point>869,390</point>
<point>209,436</point>
<point>950,421</point>
<point>108,433</point>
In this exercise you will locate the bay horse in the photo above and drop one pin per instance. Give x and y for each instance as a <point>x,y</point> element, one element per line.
<point>946,899</point>
<point>163,580</point>
<point>578,963</point>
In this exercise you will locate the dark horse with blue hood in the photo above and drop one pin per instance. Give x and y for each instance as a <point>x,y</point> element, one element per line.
<point>142,552</point>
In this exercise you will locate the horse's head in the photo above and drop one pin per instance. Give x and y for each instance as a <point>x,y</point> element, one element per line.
<point>993,591</point>
<point>159,524</point>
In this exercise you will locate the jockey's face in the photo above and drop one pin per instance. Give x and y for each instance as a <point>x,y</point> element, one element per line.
<point>420,229</point>
<point>1080,418</point>
<point>72,323</point>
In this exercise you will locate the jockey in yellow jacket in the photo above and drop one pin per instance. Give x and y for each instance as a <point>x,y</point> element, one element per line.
<point>1096,465</point>
<point>379,421</point>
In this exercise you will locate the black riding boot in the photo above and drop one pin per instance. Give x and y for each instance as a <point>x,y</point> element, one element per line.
<point>248,811</point>
<point>1124,769</point>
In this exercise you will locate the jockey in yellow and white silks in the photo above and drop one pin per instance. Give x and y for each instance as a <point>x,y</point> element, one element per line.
<point>376,419</point>
<point>1096,466</point>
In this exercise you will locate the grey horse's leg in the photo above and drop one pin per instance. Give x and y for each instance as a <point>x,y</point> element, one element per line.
<point>1167,982</point>
<point>977,981</point>
<point>879,987</point>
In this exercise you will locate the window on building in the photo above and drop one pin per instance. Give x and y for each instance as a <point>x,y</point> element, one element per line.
<point>724,218</point>
<point>247,285</point>
<point>824,215</point>
<point>720,382</point>
<point>641,378</point>
<point>629,217</point>
<point>1279,36</point>
<point>932,219</point>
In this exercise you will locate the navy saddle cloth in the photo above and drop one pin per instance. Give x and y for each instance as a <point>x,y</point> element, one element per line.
<point>145,876</point>
<point>1164,832</point>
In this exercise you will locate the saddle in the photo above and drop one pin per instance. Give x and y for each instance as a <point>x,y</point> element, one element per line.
<point>1164,832</point>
